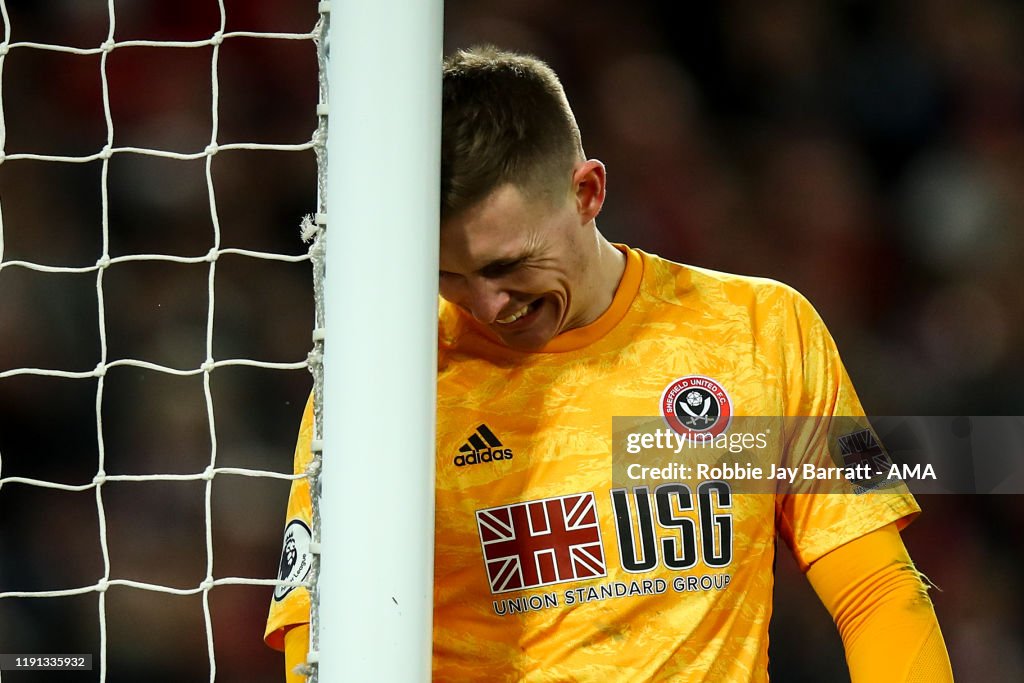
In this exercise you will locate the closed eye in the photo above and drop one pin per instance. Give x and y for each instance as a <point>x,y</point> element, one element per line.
<point>500,268</point>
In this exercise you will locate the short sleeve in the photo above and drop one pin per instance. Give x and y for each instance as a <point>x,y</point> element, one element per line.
<point>289,605</point>
<point>827,429</point>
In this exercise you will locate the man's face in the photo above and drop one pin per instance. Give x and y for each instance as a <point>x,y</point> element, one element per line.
<point>517,266</point>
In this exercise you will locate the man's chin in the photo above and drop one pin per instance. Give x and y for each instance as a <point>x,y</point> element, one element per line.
<point>524,342</point>
<point>530,333</point>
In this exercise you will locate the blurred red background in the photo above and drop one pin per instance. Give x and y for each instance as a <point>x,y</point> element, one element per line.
<point>869,153</point>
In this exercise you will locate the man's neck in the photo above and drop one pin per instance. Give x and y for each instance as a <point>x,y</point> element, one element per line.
<point>607,270</point>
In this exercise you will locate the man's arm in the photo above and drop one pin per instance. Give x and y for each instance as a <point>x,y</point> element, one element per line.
<point>882,610</point>
<point>296,647</point>
<point>288,621</point>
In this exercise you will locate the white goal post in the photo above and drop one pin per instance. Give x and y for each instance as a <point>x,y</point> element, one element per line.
<point>376,151</point>
<point>372,599</point>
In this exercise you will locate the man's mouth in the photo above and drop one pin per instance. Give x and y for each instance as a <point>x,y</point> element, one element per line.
<point>528,308</point>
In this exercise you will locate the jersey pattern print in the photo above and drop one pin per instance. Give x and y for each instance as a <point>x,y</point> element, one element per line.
<point>547,569</point>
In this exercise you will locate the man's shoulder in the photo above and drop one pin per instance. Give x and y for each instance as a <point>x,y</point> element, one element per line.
<point>694,285</point>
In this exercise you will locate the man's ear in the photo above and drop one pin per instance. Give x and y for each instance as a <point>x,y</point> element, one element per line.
<point>588,182</point>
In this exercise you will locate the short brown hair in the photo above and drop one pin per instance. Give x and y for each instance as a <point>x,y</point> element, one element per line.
<point>505,119</point>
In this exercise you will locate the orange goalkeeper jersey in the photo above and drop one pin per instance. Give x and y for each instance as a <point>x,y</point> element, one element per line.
<point>552,566</point>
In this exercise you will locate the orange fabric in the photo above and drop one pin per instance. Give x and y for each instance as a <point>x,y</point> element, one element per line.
<point>296,647</point>
<point>667,586</point>
<point>882,610</point>
<point>552,412</point>
<point>291,607</point>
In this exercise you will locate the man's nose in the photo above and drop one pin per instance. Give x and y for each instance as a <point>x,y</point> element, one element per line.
<point>481,297</point>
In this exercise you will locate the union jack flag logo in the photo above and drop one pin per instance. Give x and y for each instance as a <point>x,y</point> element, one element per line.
<point>541,542</point>
<point>861,448</point>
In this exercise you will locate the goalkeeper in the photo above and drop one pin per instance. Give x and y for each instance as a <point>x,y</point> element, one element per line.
<point>546,570</point>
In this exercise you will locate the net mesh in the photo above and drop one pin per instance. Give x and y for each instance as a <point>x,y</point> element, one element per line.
<point>43,312</point>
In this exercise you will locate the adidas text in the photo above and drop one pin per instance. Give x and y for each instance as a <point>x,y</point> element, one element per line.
<point>485,455</point>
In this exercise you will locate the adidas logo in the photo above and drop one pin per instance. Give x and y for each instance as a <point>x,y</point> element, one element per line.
<point>482,446</point>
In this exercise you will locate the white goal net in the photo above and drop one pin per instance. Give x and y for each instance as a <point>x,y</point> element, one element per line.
<point>156,310</point>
